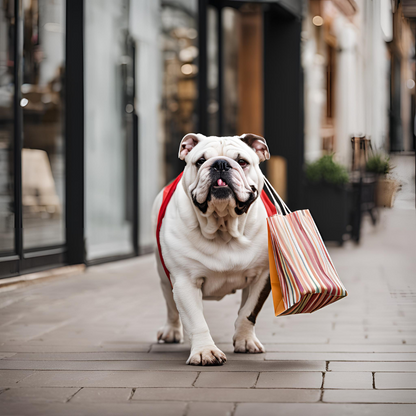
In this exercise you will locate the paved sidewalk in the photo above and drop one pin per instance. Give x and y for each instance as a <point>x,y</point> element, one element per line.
<point>85,345</point>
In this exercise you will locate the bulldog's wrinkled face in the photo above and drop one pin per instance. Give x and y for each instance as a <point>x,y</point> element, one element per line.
<point>222,174</point>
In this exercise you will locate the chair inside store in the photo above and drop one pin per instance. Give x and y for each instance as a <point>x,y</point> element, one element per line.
<point>363,186</point>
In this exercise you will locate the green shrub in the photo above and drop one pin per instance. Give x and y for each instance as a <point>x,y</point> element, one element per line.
<point>378,164</point>
<point>326,170</point>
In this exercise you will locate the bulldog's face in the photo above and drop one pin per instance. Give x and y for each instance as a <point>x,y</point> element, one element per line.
<point>222,174</point>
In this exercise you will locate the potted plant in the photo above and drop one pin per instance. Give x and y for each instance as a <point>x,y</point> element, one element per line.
<point>386,187</point>
<point>327,197</point>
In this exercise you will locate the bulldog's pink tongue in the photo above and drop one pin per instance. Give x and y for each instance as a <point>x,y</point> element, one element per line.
<point>220,182</point>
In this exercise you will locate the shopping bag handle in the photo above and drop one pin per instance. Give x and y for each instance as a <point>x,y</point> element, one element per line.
<point>272,193</point>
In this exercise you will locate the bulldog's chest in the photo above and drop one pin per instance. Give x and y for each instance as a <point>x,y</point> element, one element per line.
<point>227,271</point>
<point>221,265</point>
<point>215,286</point>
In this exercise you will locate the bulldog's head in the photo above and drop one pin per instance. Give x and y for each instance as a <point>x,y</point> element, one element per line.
<point>222,174</point>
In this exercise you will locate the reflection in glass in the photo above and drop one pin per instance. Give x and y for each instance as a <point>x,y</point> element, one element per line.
<point>43,182</point>
<point>108,84</point>
<point>230,19</point>
<point>212,71</point>
<point>179,94</point>
<point>6,126</point>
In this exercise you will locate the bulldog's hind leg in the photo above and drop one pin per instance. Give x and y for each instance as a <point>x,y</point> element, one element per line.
<point>253,298</point>
<point>172,330</point>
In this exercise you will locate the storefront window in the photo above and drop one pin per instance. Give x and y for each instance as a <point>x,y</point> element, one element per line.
<point>108,62</point>
<point>43,154</point>
<point>212,72</point>
<point>7,117</point>
<point>230,18</point>
<point>180,70</point>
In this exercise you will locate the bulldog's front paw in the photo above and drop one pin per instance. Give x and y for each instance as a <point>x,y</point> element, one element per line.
<point>170,333</point>
<point>248,343</point>
<point>209,355</point>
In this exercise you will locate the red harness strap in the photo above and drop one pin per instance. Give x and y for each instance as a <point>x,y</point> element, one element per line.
<point>167,196</point>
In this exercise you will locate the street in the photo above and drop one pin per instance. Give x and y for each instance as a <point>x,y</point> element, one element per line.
<point>85,344</point>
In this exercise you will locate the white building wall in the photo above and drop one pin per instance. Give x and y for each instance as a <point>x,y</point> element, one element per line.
<point>362,82</point>
<point>376,76</point>
<point>315,94</point>
<point>346,109</point>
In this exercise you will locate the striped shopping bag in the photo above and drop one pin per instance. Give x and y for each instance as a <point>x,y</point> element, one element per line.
<point>302,275</point>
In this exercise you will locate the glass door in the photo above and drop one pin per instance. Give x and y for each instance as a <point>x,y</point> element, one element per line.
<point>42,103</point>
<point>233,74</point>
<point>32,142</point>
<point>110,132</point>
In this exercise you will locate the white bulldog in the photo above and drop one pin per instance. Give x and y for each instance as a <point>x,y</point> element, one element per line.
<point>214,241</point>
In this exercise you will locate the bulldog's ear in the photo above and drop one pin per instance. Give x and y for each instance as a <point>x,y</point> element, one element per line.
<point>188,142</point>
<point>258,144</point>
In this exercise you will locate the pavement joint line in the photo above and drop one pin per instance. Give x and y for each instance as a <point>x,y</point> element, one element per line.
<point>29,375</point>
<point>72,395</point>
<point>133,390</point>
<point>257,379</point>
<point>196,378</point>
<point>3,390</point>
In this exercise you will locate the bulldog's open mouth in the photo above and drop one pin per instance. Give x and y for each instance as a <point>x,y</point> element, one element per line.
<point>221,183</point>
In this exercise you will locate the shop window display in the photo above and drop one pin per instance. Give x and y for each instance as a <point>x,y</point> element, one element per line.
<point>43,154</point>
<point>180,71</point>
<point>7,117</point>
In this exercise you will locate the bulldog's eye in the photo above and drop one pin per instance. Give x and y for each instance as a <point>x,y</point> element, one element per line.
<point>200,162</point>
<point>243,163</point>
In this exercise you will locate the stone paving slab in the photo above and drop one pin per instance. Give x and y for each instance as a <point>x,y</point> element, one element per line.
<point>369,396</point>
<point>340,356</point>
<point>323,409</point>
<point>101,395</point>
<point>347,348</point>
<point>348,380</point>
<point>27,348</point>
<point>228,395</point>
<point>38,395</point>
<point>227,379</point>
<point>395,381</point>
<point>396,366</point>
<point>210,409</point>
<point>6,355</point>
<point>297,380</point>
<point>9,378</point>
<point>93,409</point>
<point>109,379</point>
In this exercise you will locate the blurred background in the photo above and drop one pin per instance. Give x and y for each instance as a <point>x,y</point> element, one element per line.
<point>95,96</point>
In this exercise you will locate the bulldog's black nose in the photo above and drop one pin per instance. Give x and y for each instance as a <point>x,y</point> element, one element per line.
<point>221,165</point>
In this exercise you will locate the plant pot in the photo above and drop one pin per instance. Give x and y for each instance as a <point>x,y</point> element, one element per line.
<point>385,192</point>
<point>329,206</point>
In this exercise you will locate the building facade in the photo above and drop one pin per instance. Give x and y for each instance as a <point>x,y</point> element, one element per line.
<point>95,96</point>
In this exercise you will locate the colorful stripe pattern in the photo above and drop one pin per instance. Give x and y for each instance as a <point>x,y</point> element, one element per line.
<point>302,274</point>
